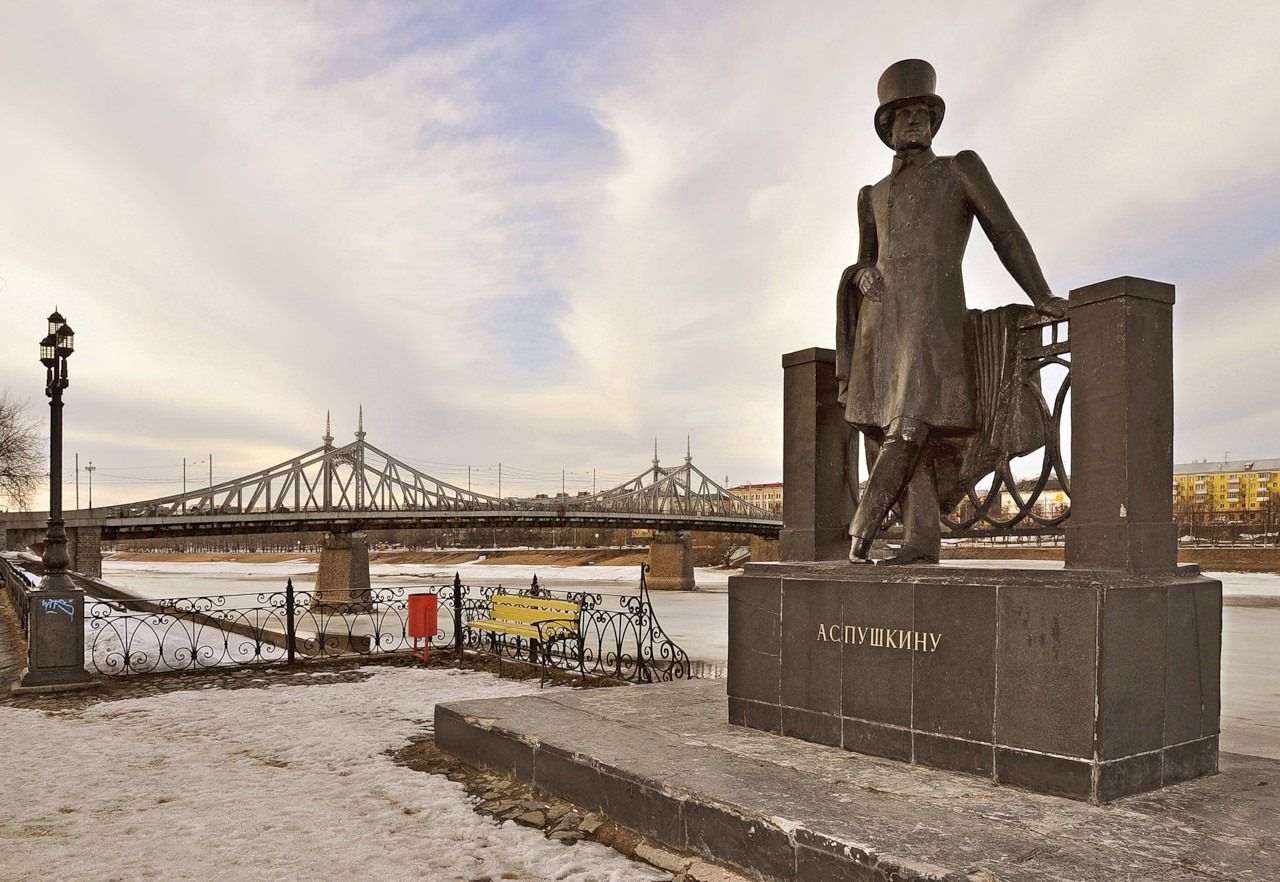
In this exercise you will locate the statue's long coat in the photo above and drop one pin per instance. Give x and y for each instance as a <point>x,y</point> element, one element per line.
<point>907,355</point>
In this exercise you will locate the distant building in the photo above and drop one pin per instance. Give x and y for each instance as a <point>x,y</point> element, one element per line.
<point>1236,491</point>
<point>1051,502</point>
<point>764,495</point>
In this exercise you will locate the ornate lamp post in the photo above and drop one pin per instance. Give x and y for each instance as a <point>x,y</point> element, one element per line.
<point>55,349</point>
<point>55,642</point>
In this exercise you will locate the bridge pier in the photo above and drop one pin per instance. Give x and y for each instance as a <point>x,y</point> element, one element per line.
<point>671,561</point>
<point>84,546</point>
<point>342,579</point>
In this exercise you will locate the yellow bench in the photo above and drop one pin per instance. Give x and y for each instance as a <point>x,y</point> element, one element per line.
<point>540,620</point>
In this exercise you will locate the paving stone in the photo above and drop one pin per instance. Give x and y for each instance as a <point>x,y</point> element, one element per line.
<point>662,858</point>
<point>567,821</point>
<point>703,871</point>
<point>532,819</point>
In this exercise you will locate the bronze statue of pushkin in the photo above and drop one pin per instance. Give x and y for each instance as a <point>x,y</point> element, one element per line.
<point>907,360</point>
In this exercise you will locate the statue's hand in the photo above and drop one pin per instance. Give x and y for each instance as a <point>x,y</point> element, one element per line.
<point>871,283</point>
<point>1054,307</point>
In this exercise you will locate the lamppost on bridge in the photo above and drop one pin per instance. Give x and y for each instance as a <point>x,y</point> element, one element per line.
<point>55,639</point>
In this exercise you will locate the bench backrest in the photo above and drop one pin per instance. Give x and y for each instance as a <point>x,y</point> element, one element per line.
<point>531,610</point>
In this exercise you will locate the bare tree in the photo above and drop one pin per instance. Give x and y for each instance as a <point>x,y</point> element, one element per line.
<point>22,461</point>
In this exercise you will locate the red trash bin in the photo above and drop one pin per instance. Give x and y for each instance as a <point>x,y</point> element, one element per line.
<point>422,620</point>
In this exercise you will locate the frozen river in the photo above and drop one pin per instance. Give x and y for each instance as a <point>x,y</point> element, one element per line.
<point>698,620</point>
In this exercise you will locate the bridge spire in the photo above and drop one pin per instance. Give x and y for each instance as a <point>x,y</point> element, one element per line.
<point>360,432</point>
<point>327,438</point>
<point>688,450</point>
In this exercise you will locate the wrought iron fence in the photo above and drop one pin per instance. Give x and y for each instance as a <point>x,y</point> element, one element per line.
<point>618,635</point>
<point>998,503</point>
<point>18,589</point>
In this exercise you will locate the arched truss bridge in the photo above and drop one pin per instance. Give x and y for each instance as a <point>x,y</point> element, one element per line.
<point>359,487</point>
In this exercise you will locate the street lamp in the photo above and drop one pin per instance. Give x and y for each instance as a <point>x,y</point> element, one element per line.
<point>55,349</point>
<point>90,469</point>
<point>55,623</point>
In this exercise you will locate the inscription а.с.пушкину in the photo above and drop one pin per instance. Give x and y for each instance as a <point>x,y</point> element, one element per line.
<point>887,638</point>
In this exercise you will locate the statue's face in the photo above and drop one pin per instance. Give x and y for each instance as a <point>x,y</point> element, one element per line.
<point>912,127</point>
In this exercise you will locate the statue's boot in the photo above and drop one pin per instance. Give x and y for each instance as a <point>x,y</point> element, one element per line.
<point>860,550</point>
<point>908,555</point>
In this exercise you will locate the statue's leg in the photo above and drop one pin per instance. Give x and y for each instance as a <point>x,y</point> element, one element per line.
<point>872,441</point>
<point>893,468</point>
<point>922,530</point>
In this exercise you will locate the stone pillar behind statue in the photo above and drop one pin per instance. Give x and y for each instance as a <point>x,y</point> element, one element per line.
<point>816,451</point>
<point>1122,427</point>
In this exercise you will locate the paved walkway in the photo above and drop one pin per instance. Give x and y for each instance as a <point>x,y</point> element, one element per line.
<point>663,759</point>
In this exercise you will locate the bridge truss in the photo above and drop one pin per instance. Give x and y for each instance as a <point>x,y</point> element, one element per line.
<point>359,486</point>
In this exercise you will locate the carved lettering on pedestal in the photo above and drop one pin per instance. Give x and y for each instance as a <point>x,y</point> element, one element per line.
<point>881,638</point>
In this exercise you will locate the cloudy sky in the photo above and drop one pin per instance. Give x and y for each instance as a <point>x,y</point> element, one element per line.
<point>543,234</point>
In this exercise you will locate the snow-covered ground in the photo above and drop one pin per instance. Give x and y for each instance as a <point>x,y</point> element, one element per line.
<point>280,783</point>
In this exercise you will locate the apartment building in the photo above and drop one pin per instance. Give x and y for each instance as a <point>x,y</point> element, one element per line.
<point>764,495</point>
<point>1227,492</point>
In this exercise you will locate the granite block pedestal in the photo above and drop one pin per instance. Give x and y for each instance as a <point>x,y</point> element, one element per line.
<point>1086,684</point>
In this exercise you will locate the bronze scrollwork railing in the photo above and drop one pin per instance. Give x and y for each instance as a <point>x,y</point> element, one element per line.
<point>999,503</point>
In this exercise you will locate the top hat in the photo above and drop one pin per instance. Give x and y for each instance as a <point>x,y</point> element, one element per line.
<point>907,82</point>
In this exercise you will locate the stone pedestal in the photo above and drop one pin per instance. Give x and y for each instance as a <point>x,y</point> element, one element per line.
<point>817,454</point>
<point>342,579</point>
<point>1090,685</point>
<point>670,561</point>
<point>55,642</point>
